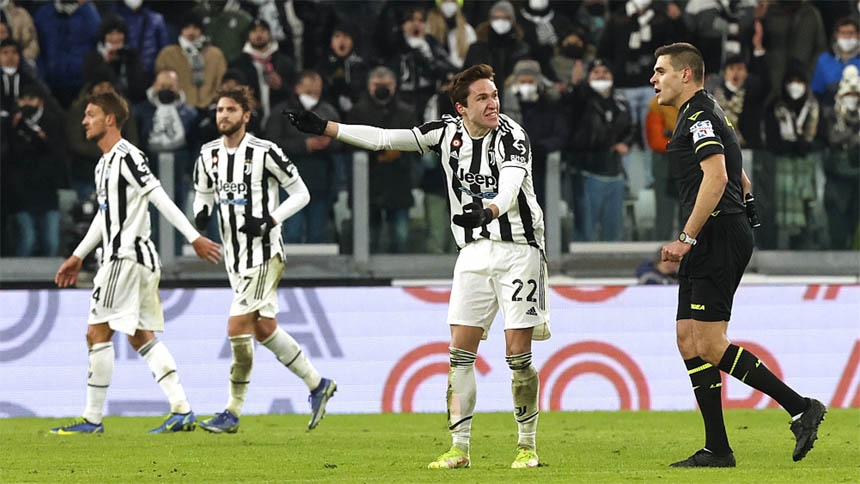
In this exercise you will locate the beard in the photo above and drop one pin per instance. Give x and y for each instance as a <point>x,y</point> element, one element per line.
<point>230,129</point>
<point>96,137</point>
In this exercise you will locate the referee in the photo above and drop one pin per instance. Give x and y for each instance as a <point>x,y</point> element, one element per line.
<point>714,249</point>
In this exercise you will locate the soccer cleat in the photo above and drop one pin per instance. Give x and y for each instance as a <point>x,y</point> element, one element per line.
<point>80,426</point>
<point>453,459</point>
<point>224,422</point>
<point>176,422</point>
<point>706,458</point>
<point>805,428</point>
<point>526,458</point>
<point>318,398</point>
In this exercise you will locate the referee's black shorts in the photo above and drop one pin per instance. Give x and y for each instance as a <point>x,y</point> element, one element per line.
<point>710,273</point>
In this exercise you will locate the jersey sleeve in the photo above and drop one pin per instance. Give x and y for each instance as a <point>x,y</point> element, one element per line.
<point>705,136</point>
<point>202,179</point>
<point>429,136</point>
<point>515,150</point>
<point>135,169</point>
<point>281,167</point>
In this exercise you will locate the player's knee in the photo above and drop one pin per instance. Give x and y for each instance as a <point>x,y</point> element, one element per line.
<point>520,361</point>
<point>710,351</point>
<point>98,333</point>
<point>243,350</point>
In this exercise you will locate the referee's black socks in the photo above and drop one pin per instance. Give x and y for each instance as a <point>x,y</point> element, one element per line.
<point>746,367</point>
<point>707,386</point>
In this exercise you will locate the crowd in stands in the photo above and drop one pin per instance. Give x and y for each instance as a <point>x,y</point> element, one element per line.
<point>574,73</point>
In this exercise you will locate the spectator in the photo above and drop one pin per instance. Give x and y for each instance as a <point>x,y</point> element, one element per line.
<point>828,70</point>
<point>312,155</point>
<point>720,29</point>
<point>15,74</point>
<point>390,170</point>
<point>447,24</point>
<point>198,64</point>
<point>791,126</point>
<point>83,153</point>
<point>269,72</point>
<point>147,34</point>
<point>207,128</point>
<point>531,100</point>
<point>740,94</point>
<point>572,55</point>
<point>21,28</point>
<point>226,25</point>
<point>343,71</point>
<point>659,125</point>
<point>842,163</point>
<point>67,30</point>
<point>657,271</point>
<point>541,25</point>
<point>437,216</point>
<point>33,170</point>
<point>113,52</point>
<point>601,133</point>
<point>500,42</point>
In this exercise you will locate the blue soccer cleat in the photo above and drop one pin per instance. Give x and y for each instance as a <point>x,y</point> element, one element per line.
<point>176,422</point>
<point>224,422</point>
<point>318,398</point>
<point>80,426</point>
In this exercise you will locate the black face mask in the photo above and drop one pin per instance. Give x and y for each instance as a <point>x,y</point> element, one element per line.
<point>596,9</point>
<point>166,96</point>
<point>28,111</point>
<point>573,51</point>
<point>382,93</point>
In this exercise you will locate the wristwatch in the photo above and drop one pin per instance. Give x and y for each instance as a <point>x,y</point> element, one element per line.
<point>683,237</point>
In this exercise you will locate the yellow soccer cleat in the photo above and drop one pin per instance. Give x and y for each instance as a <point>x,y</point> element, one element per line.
<point>526,458</point>
<point>453,459</point>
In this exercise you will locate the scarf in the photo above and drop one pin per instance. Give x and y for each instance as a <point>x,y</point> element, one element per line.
<point>168,132</point>
<point>195,59</point>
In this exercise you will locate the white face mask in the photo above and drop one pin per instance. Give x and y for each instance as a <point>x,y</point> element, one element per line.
<point>601,85</point>
<point>850,102</point>
<point>9,71</point>
<point>308,101</point>
<point>449,9</point>
<point>538,4</point>
<point>796,90</point>
<point>527,92</point>
<point>732,87</point>
<point>133,4</point>
<point>501,26</point>
<point>847,44</point>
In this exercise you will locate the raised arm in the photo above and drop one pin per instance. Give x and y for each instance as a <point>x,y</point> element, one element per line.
<point>365,137</point>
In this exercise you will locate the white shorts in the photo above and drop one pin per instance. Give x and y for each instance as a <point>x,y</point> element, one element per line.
<point>257,291</point>
<point>490,275</point>
<point>125,295</point>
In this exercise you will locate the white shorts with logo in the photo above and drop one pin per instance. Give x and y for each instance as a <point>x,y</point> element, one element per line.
<point>257,291</point>
<point>125,295</point>
<point>490,275</point>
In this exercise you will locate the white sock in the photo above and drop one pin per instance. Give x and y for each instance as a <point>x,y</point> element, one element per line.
<point>163,368</point>
<point>291,355</point>
<point>240,372</point>
<point>102,357</point>
<point>525,387</point>
<point>462,393</point>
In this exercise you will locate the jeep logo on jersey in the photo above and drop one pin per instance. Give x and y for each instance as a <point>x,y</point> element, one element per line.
<point>232,187</point>
<point>488,181</point>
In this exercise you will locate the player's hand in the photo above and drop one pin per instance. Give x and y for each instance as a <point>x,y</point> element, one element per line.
<point>752,211</point>
<point>201,220</point>
<point>675,251</point>
<point>474,215</point>
<point>306,122</point>
<point>257,226</point>
<point>68,273</point>
<point>207,249</point>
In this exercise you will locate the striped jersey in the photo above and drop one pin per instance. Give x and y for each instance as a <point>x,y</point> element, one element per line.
<point>123,179</point>
<point>472,166</point>
<point>244,182</point>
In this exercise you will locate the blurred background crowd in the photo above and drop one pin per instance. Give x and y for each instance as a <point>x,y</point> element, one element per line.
<point>574,74</point>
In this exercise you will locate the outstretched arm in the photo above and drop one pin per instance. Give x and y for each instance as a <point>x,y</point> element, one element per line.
<point>365,137</point>
<point>205,248</point>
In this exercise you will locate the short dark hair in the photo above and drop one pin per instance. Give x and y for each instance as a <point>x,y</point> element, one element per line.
<point>683,54</point>
<point>458,89</point>
<point>241,94</point>
<point>111,103</point>
<point>843,21</point>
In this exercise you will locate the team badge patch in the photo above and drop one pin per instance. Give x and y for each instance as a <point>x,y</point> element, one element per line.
<point>701,130</point>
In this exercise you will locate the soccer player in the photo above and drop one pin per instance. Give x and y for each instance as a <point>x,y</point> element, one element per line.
<point>714,249</point>
<point>241,175</point>
<point>125,295</point>
<point>499,228</point>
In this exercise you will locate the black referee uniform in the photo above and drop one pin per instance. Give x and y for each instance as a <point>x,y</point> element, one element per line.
<point>711,271</point>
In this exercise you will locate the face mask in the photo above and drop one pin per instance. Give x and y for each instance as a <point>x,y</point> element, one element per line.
<point>133,4</point>
<point>66,7</point>
<point>449,9</point>
<point>601,85</point>
<point>415,42</point>
<point>527,92</point>
<point>10,71</point>
<point>538,4</point>
<point>847,45</point>
<point>308,101</point>
<point>166,96</point>
<point>28,111</point>
<point>732,87</point>
<point>573,51</point>
<point>382,93</point>
<point>796,90</point>
<point>850,102</point>
<point>501,26</point>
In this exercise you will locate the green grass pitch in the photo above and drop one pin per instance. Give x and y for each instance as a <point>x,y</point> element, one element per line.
<point>575,447</point>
